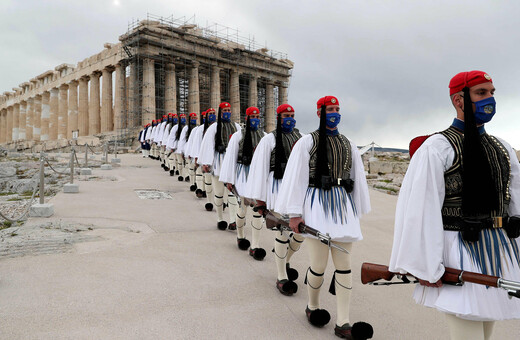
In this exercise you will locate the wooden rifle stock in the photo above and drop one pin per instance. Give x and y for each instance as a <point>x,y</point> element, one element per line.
<point>371,272</point>
<point>273,222</point>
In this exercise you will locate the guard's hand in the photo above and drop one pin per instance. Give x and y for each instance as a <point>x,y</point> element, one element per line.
<point>260,207</point>
<point>429,284</point>
<point>229,186</point>
<point>294,224</point>
<point>205,168</point>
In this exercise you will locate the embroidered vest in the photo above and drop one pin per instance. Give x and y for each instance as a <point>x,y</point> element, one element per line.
<point>339,154</point>
<point>228,128</point>
<point>255,139</point>
<point>500,168</point>
<point>288,141</point>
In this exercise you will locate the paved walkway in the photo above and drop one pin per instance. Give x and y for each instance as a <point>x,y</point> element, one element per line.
<point>159,269</point>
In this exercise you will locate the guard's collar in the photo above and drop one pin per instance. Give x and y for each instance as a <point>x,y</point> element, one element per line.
<point>334,132</point>
<point>459,125</point>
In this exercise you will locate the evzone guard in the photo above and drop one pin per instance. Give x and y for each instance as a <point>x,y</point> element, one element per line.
<point>324,186</point>
<point>145,146</point>
<point>211,155</point>
<point>207,192</point>
<point>459,207</point>
<point>164,140</point>
<point>192,151</point>
<point>181,149</point>
<point>234,173</point>
<point>171,161</point>
<point>265,177</point>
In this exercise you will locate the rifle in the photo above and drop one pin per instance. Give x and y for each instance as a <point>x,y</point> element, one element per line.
<point>371,272</point>
<point>245,200</point>
<point>281,223</point>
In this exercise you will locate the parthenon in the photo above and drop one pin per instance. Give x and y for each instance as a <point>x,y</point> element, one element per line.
<point>161,66</point>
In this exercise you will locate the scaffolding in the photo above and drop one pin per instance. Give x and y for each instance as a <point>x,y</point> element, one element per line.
<point>154,43</point>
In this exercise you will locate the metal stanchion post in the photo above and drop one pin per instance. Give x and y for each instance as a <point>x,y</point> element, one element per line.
<point>86,155</point>
<point>42,178</point>
<point>72,151</point>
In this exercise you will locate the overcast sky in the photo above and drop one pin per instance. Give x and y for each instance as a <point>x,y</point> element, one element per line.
<point>388,62</point>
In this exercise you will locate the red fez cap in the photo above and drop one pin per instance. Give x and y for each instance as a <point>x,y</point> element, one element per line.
<point>469,79</point>
<point>193,114</point>
<point>252,111</point>
<point>284,108</point>
<point>174,115</point>
<point>327,100</point>
<point>182,115</point>
<point>165,116</point>
<point>170,114</point>
<point>203,113</point>
<point>210,110</point>
<point>223,105</point>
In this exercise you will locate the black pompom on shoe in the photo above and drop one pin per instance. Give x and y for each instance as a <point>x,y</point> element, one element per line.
<point>198,193</point>
<point>232,226</point>
<point>193,187</point>
<point>222,225</point>
<point>359,331</point>
<point>243,244</point>
<point>208,206</point>
<point>286,287</point>
<point>204,194</point>
<point>317,317</point>
<point>176,172</point>
<point>292,273</point>
<point>172,172</point>
<point>257,253</point>
<point>187,178</point>
<point>180,178</point>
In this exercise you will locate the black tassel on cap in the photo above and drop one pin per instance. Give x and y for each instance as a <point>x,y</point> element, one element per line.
<point>218,139</point>
<point>279,152</point>
<point>479,195</point>
<point>247,151</point>
<point>322,164</point>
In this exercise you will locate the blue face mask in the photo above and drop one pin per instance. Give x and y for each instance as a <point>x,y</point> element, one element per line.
<point>212,118</point>
<point>226,116</point>
<point>203,120</point>
<point>175,121</point>
<point>288,124</point>
<point>333,120</point>
<point>193,121</point>
<point>485,109</point>
<point>254,123</point>
<point>183,121</point>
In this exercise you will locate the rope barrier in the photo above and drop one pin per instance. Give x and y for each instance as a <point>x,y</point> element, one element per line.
<point>27,208</point>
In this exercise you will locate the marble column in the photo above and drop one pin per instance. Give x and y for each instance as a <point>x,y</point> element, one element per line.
<point>215,87</point>
<point>83,106</point>
<point>170,100</point>
<point>94,104</point>
<point>133,95</point>
<point>282,94</point>
<point>270,118</point>
<point>107,115</point>
<point>235,96</point>
<point>29,122</point>
<point>3,125</point>
<point>44,133</point>
<point>16,121</point>
<point>253,90</point>
<point>9,124</point>
<point>72,108</point>
<point>23,121</point>
<point>37,118</point>
<point>119,100</point>
<point>148,91</point>
<point>63,111</point>
<point>53,114</point>
<point>193,92</point>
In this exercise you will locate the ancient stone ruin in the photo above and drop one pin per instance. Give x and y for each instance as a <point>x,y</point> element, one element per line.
<point>161,66</point>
